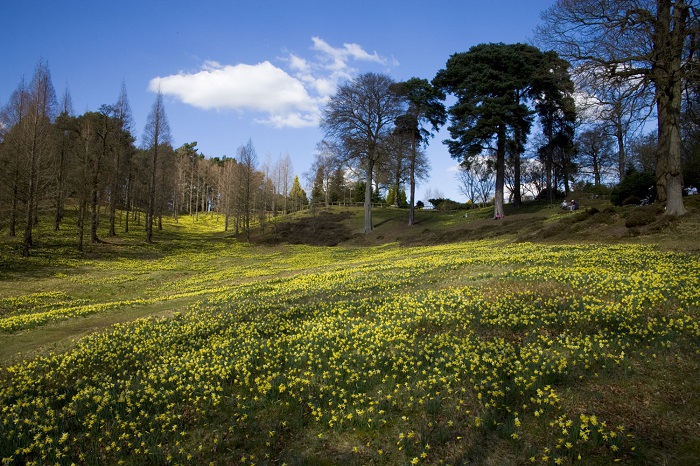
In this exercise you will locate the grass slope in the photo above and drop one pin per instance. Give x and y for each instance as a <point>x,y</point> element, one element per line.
<point>597,221</point>
<point>404,346</point>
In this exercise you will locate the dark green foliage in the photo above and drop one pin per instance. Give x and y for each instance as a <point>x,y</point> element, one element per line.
<point>318,194</point>
<point>635,187</point>
<point>337,186</point>
<point>498,89</point>
<point>447,204</point>
<point>590,188</point>
<point>391,197</point>
<point>544,194</point>
<point>425,105</point>
<point>486,81</point>
<point>358,193</point>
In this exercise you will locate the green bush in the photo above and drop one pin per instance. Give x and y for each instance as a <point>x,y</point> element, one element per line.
<point>590,188</point>
<point>446,204</point>
<point>635,187</point>
<point>640,217</point>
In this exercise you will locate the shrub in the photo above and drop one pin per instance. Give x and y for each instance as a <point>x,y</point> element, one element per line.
<point>544,194</point>
<point>446,204</point>
<point>635,187</point>
<point>590,188</point>
<point>640,217</point>
<point>600,190</point>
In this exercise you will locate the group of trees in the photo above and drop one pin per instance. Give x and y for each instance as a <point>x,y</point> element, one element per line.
<point>613,65</point>
<point>499,88</point>
<point>377,126</point>
<point>623,60</point>
<point>635,54</point>
<point>52,159</point>
<point>627,61</point>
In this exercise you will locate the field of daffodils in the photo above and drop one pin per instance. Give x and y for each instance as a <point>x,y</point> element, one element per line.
<point>469,353</point>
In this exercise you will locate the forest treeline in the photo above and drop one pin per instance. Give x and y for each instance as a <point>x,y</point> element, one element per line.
<point>608,77</point>
<point>52,159</point>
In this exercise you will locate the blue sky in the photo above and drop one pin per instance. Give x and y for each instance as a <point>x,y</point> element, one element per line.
<point>237,70</point>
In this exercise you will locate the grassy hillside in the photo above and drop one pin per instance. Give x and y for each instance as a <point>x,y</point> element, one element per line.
<point>546,338</point>
<point>597,221</point>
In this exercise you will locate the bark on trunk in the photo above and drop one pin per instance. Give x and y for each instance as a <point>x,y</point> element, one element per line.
<point>498,211</point>
<point>412,175</point>
<point>368,195</point>
<point>668,45</point>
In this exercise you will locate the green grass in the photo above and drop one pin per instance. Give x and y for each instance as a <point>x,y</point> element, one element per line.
<point>397,347</point>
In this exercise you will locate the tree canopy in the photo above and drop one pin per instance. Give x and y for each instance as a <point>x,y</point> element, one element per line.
<point>494,85</point>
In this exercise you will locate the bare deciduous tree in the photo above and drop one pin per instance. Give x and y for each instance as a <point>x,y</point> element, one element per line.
<point>359,116</point>
<point>11,118</point>
<point>121,156</point>
<point>36,134</point>
<point>595,155</point>
<point>477,179</point>
<point>155,135</point>
<point>248,161</point>
<point>63,152</point>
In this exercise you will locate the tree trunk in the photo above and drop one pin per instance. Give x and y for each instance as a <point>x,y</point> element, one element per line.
<point>548,162</point>
<point>115,188</point>
<point>498,211</point>
<point>13,213</point>
<point>565,174</point>
<point>621,155</point>
<point>368,195</point>
<point>113,207</point>
<point>150,216</point>
<point>397,181</point>
<point>128,201</point>
<point>94,207</point>
<point>60,189</point>
<point>669,38</point>
<point>517,196</point>
<point>31,191</point>
<point>82,207</point>
<point>412,176</point>
<point>669,184</point>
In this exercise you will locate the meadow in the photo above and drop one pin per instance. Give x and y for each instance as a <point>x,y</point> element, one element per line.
<point>200,349</point>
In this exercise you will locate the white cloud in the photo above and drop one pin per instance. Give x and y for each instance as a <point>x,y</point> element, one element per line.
<point>340,56</point>
<point>262,87</point>
<point>290,120</point>
<point>285,100</point>
<point>336,60</point>
<point>298,64</point>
